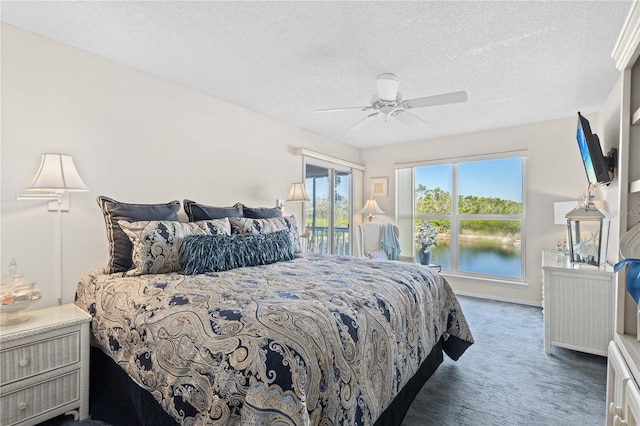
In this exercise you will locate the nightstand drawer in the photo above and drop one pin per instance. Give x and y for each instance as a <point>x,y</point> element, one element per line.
<point>38,357</point>
<point>39,398</point>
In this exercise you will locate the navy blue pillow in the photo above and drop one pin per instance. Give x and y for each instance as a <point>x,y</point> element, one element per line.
<point>213,253</point>
<point>197,212</point>
<point>120,247</point>
<point>260,212</point>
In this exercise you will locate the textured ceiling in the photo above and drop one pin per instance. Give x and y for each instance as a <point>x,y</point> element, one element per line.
<point>518,61</point>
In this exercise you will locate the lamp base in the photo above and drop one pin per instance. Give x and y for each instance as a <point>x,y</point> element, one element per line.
<point>14,313</point>
<point>15,318</point>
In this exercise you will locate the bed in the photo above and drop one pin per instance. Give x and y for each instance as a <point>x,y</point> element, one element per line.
<point>311,340</point>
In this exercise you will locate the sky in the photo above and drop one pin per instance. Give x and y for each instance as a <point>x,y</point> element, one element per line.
<point>500,178</point>
<point>322,188</point>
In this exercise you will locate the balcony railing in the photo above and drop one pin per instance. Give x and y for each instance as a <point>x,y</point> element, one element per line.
<point>320,243</point>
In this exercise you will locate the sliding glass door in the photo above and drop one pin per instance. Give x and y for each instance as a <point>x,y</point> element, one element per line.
<point>327,216</point>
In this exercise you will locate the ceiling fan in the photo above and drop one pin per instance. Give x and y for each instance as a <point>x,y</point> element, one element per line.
<point>388,102</point>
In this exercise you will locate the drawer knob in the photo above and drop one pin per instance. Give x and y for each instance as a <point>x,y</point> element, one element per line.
<point>22,405</point>
<point>23,362</point>
<point>617,421</point>
<point>615,410</point>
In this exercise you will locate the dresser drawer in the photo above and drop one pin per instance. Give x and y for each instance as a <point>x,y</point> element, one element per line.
<point>39,398</point>
<point>27,360</point>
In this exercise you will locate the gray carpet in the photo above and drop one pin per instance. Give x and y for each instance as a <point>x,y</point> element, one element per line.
<point>505,378</point>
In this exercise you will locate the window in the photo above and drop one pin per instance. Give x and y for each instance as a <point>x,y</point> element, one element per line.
<point>327,215</point>
<point>477,208</point>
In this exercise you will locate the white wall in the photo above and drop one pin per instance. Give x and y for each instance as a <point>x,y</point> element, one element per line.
<point>609,132</point>
<point>138,138</point>
<point>133,137</point>
<point>554,173</point>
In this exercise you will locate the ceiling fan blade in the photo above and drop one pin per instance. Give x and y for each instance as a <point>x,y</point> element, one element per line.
<point>360,124</point>
<point>361,108</point>
<point>408,118</point>
<point>447,98</point>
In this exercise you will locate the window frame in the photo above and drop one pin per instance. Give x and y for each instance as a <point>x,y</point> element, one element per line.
<point>454,217</point>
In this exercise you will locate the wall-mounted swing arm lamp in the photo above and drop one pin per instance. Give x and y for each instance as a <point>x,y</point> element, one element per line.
<point>297,194</point>
<point>56,176</point>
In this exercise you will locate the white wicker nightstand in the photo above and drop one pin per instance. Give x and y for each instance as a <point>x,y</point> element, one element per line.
<point>45,366</point>
<point>577,305</point>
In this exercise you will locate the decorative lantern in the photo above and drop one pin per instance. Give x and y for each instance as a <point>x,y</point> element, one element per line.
<point>588,232</point>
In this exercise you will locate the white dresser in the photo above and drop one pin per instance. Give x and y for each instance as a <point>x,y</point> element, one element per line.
<point>44,365</point>
<point>577,305</point>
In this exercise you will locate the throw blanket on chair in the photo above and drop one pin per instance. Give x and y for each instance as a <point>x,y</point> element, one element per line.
<point>389,241</point>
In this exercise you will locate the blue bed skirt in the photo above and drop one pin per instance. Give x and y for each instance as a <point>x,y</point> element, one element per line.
<point>116,399</point>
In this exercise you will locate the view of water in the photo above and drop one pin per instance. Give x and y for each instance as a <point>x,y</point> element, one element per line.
<point>487,258</point>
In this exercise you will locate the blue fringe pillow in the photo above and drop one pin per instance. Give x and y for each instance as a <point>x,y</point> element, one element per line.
<point>213,253</point>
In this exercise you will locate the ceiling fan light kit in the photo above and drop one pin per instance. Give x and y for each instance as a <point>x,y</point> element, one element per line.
<point>388,87</point>
<point>388,102</point>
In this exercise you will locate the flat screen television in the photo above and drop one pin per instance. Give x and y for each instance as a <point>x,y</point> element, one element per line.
<point>595,164</point>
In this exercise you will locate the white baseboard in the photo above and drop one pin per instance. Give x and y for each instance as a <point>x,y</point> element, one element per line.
<point>501,299</point>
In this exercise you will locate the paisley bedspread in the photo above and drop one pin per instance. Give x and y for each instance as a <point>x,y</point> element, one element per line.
<point>317,340</point>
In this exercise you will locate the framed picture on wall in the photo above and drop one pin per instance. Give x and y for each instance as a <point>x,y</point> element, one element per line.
<point>380,187</point>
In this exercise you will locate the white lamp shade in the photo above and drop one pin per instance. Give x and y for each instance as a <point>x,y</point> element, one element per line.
<point>298,193</point>
<point>371,207</point>
<point>560,209</point>
<point>57,173</point>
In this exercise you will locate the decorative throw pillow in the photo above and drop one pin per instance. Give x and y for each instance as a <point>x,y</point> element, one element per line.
<point>156,244</point>
<point>119,244</point>
<point>292,227</point>
<point>378,255</point>
<point>260,212</point>
<point>244,225</point>
<point>213,253</point>
<point>215,226</point>
<point>196,211</point>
